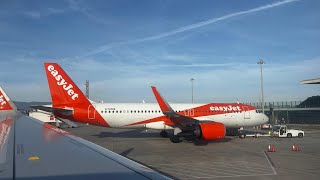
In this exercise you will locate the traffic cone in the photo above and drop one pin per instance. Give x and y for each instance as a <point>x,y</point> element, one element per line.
<point>295,148</point>
<point>271,148</point>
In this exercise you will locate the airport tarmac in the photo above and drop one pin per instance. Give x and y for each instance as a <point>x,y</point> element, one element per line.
<point>232,158</point>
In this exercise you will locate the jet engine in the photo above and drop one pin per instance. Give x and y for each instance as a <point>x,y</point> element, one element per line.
<point>210,131</point>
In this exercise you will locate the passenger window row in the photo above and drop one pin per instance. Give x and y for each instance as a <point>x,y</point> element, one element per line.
<point>132,111</point>
<point>153,111</point>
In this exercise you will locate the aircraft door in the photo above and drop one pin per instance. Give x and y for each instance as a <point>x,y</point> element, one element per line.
<point>186,112</point>
<point>246,112</point>
<point>91,112</point>
<point>191,112</point>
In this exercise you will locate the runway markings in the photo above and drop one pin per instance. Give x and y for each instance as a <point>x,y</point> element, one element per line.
<point>270,163</point>
<point>217,169</point>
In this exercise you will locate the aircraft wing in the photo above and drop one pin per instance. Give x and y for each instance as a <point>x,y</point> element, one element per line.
<point>178,119</point>
<point>31,149</point>
<point>54,110</point>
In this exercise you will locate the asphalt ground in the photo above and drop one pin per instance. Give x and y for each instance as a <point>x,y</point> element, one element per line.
<point>231,158</point>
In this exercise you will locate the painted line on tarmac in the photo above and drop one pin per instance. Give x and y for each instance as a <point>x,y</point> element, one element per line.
<point>211,171</point>
<point>207,176</point>
<point>233,168</point>
<point>231,164</point>
<point>270,162</point>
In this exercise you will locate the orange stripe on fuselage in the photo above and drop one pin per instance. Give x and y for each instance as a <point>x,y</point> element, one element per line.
<point>202,111</point>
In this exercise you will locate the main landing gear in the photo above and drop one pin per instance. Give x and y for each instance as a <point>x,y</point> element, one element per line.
<point>176,136</point>
<point>164,134</point>
<point>242,134</point>
<point>175,139</point>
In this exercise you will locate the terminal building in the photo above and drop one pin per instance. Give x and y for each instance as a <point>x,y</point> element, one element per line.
<point>294,112</point>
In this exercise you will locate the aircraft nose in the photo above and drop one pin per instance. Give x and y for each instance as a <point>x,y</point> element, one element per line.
<point>265,118</point>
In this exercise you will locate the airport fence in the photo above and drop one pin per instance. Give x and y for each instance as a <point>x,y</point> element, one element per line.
<point>297,112</point>
<point>286,104</point>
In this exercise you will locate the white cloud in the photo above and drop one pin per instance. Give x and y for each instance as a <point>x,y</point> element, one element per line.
<point>213,83</point>
<point>189,27</point>
<point>33,14</point>
<point>116,82</point>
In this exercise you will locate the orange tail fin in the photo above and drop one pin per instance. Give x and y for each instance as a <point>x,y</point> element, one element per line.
<point>5,102</point>
<point>63,90</point>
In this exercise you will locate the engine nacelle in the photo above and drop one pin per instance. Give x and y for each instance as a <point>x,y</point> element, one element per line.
<point>210,131</point>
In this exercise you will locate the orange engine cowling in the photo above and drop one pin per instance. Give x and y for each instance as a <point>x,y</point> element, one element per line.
<point>212,131</point>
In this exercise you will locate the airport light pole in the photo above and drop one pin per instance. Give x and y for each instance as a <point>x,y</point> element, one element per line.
<point>261,62</point>
<point>192,79</point>
<point>87,88</point>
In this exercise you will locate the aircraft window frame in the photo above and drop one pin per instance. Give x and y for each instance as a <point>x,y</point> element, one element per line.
<point>116,111</point>
<point>102,111</point>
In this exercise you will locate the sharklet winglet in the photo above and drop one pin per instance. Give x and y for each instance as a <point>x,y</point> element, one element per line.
<point>164,105</point>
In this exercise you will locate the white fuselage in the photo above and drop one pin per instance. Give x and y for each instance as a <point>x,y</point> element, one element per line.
<point>131,115</point>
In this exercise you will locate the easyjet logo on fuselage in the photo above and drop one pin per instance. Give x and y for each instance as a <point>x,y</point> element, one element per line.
<point>225,108</point>
<point>62,82</point>
<point>2,101</point>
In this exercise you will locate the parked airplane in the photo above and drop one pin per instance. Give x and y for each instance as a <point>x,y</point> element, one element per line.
<point>201,121</point>
<point>31,149</point>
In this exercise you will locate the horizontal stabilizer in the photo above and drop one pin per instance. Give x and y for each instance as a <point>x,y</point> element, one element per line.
<point>54,110</point>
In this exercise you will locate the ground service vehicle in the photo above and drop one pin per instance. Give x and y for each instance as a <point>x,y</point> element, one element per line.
<point>283,131</point>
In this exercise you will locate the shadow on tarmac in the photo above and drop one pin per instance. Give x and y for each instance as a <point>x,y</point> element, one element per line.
<point>142,134</point>
<point>135,133</point>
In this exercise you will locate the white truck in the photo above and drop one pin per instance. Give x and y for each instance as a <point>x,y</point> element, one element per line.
<point>45,117</point>
<point>49,118</point>
<point>283,131</point>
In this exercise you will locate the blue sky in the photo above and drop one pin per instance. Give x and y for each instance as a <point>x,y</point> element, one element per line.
<point>123,47</point>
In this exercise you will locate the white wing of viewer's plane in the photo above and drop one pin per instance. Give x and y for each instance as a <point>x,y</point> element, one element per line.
<point>30,149</point>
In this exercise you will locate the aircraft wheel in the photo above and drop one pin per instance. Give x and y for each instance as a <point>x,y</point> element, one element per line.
<point>175,139</point>
<point>242,136</point>
<point>164,134</point>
